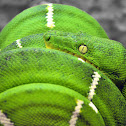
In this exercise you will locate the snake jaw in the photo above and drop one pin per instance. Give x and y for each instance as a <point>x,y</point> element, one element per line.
<point>78,56</point>
<point>87,61</point>
<point>49,46</point>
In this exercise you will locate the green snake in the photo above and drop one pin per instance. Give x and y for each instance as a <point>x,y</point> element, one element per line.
<point>59,68</point>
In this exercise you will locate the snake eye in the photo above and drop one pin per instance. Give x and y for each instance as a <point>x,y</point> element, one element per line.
<point>83,49</point>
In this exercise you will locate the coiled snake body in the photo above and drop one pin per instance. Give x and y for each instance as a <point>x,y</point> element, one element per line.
<point>57,69</point>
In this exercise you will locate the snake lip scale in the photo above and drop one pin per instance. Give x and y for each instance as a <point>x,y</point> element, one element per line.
<point>87,61</point>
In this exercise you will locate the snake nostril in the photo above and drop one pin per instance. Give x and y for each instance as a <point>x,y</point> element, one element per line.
<point>47,38</point>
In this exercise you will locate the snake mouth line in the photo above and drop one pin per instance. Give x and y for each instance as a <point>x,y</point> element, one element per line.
<point>49,46</point>
<point>78,56</point>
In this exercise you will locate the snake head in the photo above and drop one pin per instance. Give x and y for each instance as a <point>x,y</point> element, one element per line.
<point>108,56</point>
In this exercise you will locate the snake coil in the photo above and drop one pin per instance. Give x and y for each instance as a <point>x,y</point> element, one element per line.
<point>40,86</point>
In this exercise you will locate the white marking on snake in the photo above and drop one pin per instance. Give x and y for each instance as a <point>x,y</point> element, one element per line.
<point>4,120</point>
<point>93,107</point>
<point>50,22</point>
<point>76,113</point>
<point>93,85</point>
<point>18,43</point>
<point>81,60</point>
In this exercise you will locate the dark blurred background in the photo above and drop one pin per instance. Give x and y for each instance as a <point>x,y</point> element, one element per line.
<point>111,14</point>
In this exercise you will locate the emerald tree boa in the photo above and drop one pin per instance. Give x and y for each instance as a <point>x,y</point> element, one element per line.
<point>59,68</point>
